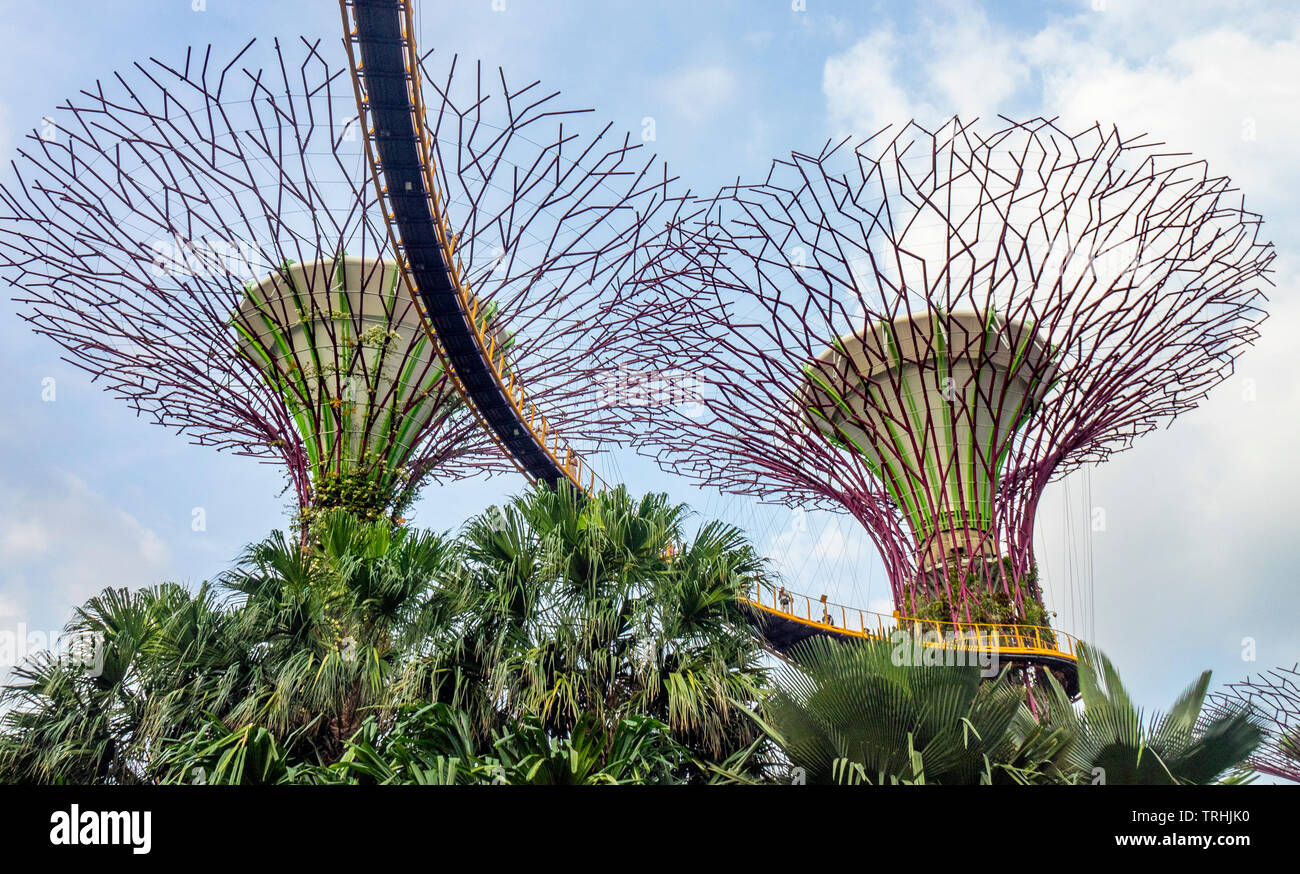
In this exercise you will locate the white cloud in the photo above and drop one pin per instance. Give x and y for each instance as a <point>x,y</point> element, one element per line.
<point>63,542</point>
<point>11,609</point>
<point>862,95</point>
<point>1225,96</point>
<point>699,93</point>
<point>22,538</point>
<point>987,70</point>
<point>1224,92</point>
<point>961,65</point>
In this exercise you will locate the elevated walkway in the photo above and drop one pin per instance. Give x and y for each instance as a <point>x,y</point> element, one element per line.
<point>787,618</point>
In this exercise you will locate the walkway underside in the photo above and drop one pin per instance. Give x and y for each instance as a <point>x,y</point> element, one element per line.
<point>402,155</point>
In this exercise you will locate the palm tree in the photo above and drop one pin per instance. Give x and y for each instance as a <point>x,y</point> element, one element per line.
<point>327,624</point>
<point>1111,742</point>
<point>435,745</point>
<point>853,713</point>
<point>295,641</point>
<point>100,719</point>
<point>587,612</point>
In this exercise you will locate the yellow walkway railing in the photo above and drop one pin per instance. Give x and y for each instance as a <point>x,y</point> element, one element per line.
<point>1031,640</point>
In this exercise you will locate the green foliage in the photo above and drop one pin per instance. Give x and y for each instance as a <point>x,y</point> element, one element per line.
<point>982,597</point>
<point>570,608</point>
<point>850,713</point>
<point>298,642</point>
<point>553,638</point>
<point>360,492</point>
<point>246,756</point>
<point>163,656</point>
<point>1111,742</point>
<point>435,745</point>
<point>556,640</point>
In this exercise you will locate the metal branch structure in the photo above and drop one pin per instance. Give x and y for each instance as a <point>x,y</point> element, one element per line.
<point>924,328</point>
<point>1274,696</point>
<point>205,238</point>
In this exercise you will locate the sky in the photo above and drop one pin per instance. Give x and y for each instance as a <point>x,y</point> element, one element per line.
<point>1193,565</point>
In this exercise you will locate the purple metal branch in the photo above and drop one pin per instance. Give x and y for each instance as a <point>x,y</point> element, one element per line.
<point>1274,696</point>
<point>1054,295</point>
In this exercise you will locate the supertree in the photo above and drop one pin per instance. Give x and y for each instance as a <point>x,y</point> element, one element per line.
<point>1274,696</point>
<point>205,238</point>
<point>924,328</point>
